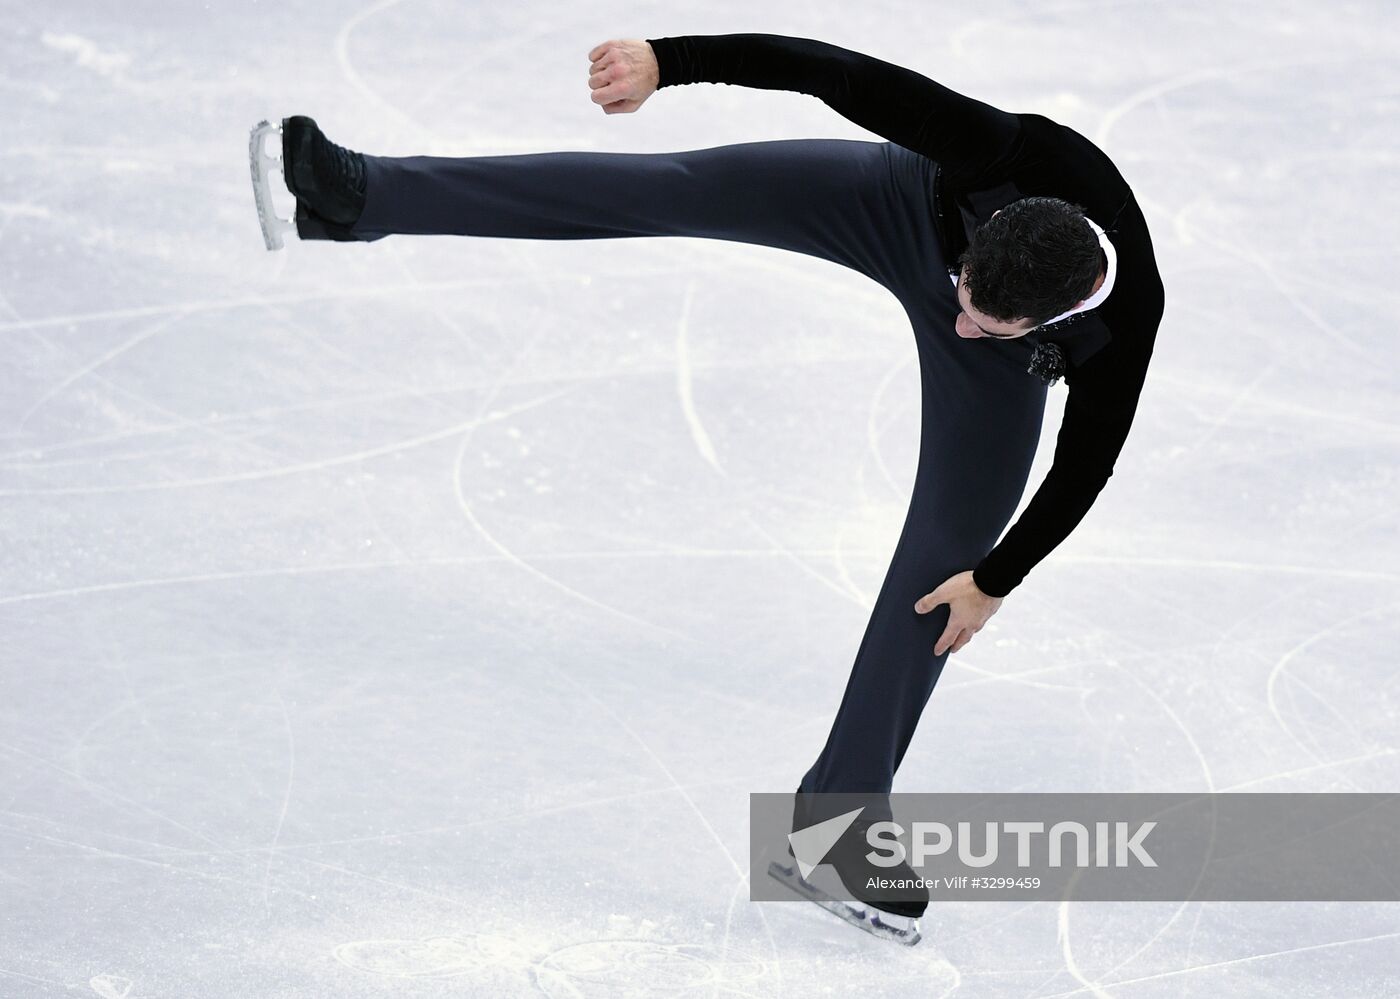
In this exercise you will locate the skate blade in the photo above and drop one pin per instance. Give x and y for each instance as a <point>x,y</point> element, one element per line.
<point>885,925</point>
<point>261,165</point>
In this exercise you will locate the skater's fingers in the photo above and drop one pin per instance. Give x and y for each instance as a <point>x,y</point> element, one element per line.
<point>610,93</point>
<point>597,53</point>
<point>929,601</point>
<point>951,641</point>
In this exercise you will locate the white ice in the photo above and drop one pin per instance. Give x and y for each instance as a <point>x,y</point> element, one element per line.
<point>414,619</point>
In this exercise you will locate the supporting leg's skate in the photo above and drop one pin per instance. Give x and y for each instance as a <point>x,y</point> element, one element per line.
<point>875,921</point>
<point>262,165</point>
<point>845,870</point>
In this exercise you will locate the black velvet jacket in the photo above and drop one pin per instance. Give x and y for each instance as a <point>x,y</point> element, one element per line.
<point>985,159</point>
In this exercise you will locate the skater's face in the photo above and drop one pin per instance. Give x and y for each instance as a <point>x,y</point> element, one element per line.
<point>973,323</point>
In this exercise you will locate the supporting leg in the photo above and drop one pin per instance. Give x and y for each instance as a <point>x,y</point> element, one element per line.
<point>981,419</point>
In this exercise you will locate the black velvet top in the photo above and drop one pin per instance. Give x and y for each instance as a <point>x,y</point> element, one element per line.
<point>985,159</point>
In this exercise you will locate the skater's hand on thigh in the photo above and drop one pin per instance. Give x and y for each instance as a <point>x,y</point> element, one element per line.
<point>622,74</point>
<point>968,610</point>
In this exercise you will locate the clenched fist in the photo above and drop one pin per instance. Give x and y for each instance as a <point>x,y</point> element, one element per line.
<point>622,74</point>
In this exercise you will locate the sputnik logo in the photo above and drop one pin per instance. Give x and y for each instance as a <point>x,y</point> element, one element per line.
<point>811,845</point>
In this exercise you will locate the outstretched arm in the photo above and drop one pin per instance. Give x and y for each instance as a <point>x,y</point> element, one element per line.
<point>1103,399</point>
<point>968,138</point>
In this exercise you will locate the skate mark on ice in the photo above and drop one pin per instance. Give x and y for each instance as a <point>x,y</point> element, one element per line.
<point>843,572</point>
<point>401,389</point>
<point>873,432</point>
<point>1318,571</point>
<point>218,577</point>
<point>601,968</point>
<point>7,973</point>
<point>1247,253</point>
<point>1020,677</point>
<point>958,40</point>
<point>483,416</point>
<point>604,969</point>
<point>75,751</point>
<point>465,505</point>
<point>397,836</point>
<point>271,848</point>
<point>1279,669</point>
<point>111,986</point>
<point>685,385</point>
<point>1283,596</point>
<point>680,788</point>
<point>434,957</point>
<point>299,468</point>
<point>517,46</point>
<point>1309,417</point>
<point>9,216</point>
<point>347,68</point>
<point>1233,962</point>
<point>1222,418</point>
<point>1316,767</point>
<point>204,428</point>
<point>1182,81</point>
<point>444,560</point>
<point>102,789</point>
<point>263,413</point>
<point>141,336</point>
<point>167,868</point>
<point>849,592</point>
<point>335,295</point>
<point>515,559</point>
<point>1064,933</point>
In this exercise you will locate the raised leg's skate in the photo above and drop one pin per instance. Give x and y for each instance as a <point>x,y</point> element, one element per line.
<point>327,180</point>
<point>261,164</point>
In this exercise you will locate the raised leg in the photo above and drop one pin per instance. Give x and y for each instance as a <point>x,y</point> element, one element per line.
<point>829,198</point>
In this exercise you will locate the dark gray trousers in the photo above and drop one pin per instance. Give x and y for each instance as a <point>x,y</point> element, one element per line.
<point>867,205</point>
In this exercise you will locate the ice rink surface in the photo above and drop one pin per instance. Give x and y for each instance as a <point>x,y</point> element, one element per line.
<point>413,619</point>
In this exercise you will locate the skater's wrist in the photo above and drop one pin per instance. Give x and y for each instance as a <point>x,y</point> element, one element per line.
<point>667,59</point>
<point>987,583</point>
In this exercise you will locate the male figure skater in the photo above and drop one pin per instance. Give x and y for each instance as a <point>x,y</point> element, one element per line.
<point>1013,243</point>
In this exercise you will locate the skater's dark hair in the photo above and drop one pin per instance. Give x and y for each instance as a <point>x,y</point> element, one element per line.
<point>1034,259</point>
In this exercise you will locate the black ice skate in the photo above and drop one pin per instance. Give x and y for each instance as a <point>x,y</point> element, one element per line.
<point>889,913</point>
<point>327,180</point>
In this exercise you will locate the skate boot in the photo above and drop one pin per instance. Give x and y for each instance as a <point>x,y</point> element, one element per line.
<point>327,180</point>
<point>891,913</point>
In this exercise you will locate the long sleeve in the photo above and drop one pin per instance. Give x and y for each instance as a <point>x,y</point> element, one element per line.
<point>1103,398</point>
<point>979,148</point>
<point>969,139</point>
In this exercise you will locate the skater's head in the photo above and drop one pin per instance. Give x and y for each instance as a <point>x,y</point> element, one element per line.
<point>1030,262</point>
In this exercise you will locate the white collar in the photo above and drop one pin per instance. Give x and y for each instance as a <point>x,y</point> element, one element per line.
<point>1098,297</point>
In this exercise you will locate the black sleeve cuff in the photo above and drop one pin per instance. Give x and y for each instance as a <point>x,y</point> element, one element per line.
<point>990,583</point>
<point>671,60</point>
